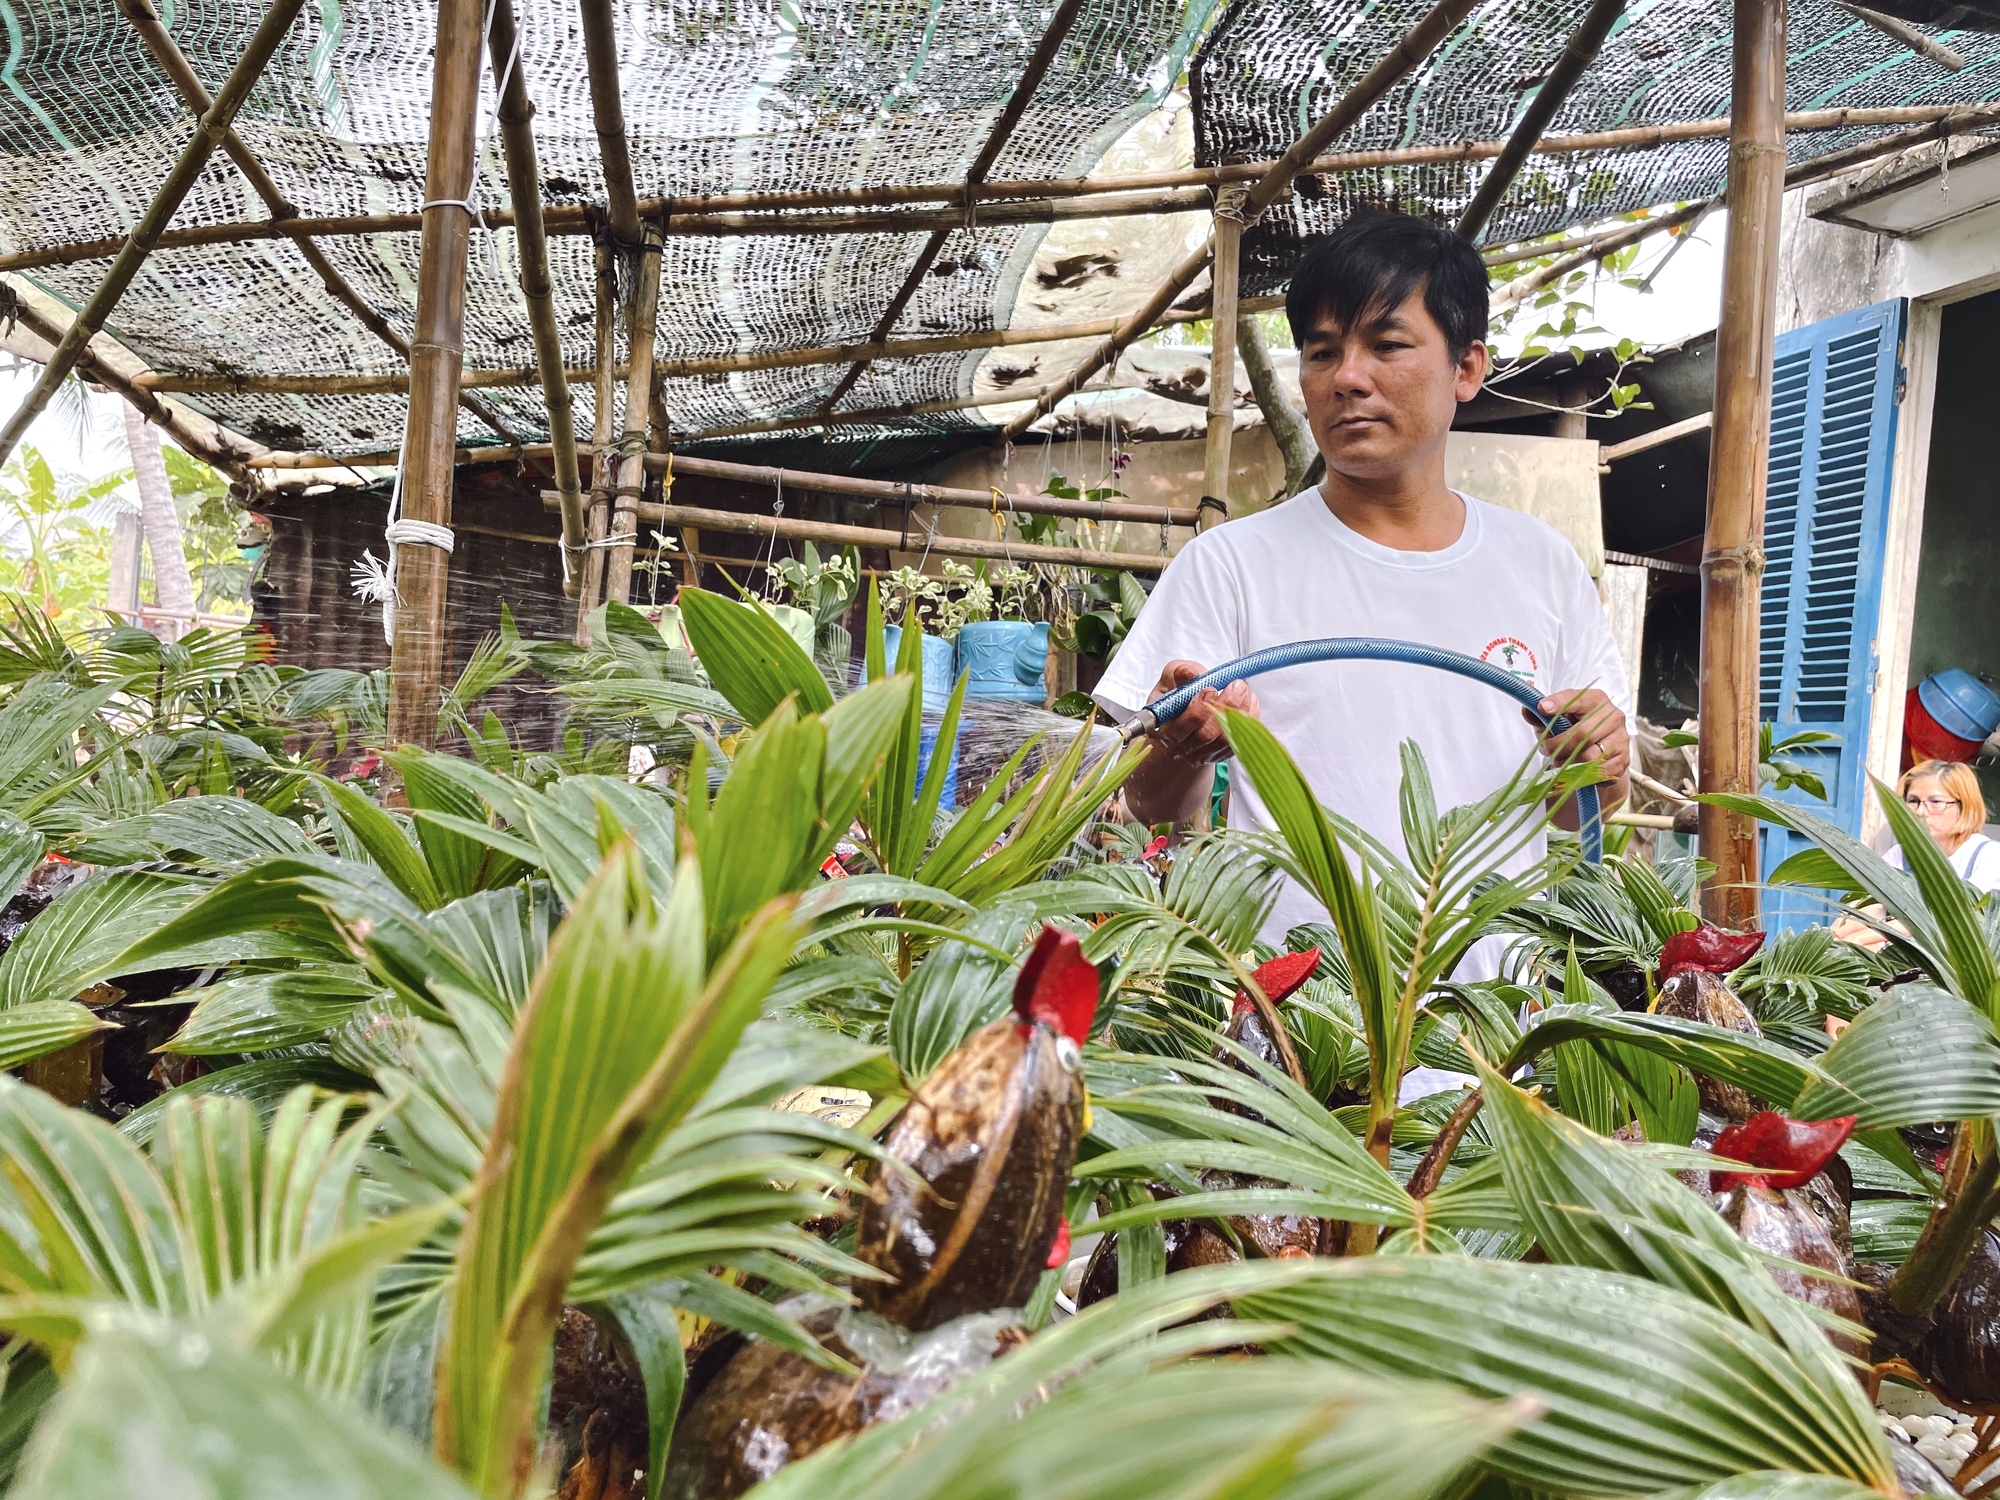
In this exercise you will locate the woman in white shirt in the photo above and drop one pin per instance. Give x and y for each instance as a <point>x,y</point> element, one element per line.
<point>1945,794</point>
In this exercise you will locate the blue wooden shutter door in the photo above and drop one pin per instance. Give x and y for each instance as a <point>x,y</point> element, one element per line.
<point>1826,521</point>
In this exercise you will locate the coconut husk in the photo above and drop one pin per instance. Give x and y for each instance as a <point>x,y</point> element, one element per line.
<point>1696,995</point>
<point>990,1137</point>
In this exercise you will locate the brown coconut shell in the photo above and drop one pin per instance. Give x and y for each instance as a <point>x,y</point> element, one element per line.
<point>1787,1223</point>
<point>769,1407</point>
<point>1961,1352</point>
<point>1697,995</point>
<point>991,1137</point>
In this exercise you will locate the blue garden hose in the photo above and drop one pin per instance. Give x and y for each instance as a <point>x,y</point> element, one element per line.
<point>1170,706</point>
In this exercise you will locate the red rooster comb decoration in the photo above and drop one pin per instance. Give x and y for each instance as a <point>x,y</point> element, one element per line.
<point>1057,984</point>
<point>1713,950</point>
<point>1789,1153</point>
<point>1280,977</point>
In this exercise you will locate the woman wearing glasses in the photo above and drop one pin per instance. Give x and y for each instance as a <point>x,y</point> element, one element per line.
<point>1945,794</point>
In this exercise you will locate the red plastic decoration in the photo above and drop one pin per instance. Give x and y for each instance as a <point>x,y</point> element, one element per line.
<point>1058,985</point>
<point>1154,848</point>
<point>1790,1151</point>
<point>1059,1247</point>
<point>1713,950</point>
<point>1280,977</point>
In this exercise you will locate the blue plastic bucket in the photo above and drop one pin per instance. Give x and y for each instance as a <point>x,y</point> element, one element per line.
<point>1961,703</point>
<point>926,743</point>
<point>1004,659</point>
<point>939,673</point>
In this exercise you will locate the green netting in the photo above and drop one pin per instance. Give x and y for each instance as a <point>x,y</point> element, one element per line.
<point>719,97</point>
<point>1271,66</point>
<point>777,94</point>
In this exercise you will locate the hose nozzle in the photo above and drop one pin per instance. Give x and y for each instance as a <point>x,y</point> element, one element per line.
<point>1141,723</point>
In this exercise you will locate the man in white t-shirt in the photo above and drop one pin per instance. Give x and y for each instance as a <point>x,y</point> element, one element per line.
<point>1389,315</point>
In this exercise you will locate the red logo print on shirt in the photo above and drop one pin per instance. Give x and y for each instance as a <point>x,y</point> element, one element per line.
<point>1514,655</point>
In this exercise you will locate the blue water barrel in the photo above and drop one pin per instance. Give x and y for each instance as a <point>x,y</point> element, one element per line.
<point>1005,659</point>
<point>939,674</point>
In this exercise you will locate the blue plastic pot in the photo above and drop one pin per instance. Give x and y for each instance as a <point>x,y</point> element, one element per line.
<point>1004,659</point>
<point>1961,704</point>
<point>926,743</point>
<point>939,673</point>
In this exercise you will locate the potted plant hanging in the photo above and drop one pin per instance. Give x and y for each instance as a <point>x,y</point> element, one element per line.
<point>1003,651</point>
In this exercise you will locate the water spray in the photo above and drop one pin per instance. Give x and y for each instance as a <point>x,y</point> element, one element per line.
<point>1170,706</point>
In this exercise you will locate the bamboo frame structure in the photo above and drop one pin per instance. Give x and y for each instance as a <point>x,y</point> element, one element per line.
<point>670,369</point>
<point>921,539</point>
<point>524,188</point>
<point>146,21</point>
<point>1227,239</point>
<point>422,575</point>
<point>814,212</point>
<point>1577,55</point>
<point>641,332</point>
<point>237,466</point>
<point>1416,44</point>
<point>187,169</point>
<point>1732,561</point>
<point>996,140</point>
<point>1586,248</point>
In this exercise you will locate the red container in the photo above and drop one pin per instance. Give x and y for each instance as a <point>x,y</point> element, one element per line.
<point>1925,739</point>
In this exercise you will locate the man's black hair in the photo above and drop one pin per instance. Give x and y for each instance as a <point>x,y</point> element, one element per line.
<point>1374,261</point>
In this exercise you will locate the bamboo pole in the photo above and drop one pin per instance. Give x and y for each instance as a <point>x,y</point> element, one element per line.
<point>915,539</point>
<point>1577,56</point>
<point>1812,169</point>
<point>423,572</point>
<point>1415,45</point>
<point>860,415</point>
<point>607,116</point>
<point>672,369</point>
<point>996,140</point>
<point>175,64</point>
<point>1506,298</point>
<point>94,368</point>
<point>187,169</point>
<point>891,492</point>
<point>641,330</point>
<point>1732,562</point>
<point>691,215</point>
<point>524,188</point>
<point>604,461</point>
<point>1908,35</point>
<point>1227,238</point>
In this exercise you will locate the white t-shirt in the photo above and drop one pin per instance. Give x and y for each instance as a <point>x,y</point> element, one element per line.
<point>1977,860</point>
<point>1510,590</point>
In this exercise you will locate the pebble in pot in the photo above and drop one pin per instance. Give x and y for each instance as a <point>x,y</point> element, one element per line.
<point>961,1238</point>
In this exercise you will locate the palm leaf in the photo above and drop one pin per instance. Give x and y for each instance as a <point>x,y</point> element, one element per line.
<point>593,1080</point>
<point>1643,1387</point>
<point>166,1412</point>
<point>752,660</point>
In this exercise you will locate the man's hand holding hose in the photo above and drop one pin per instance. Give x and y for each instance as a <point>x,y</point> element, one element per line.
<point>1598,735</point>
<point>1172,784</point>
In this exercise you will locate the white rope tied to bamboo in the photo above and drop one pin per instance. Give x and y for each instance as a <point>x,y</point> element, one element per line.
<point>375,580</point>
<point>405,532</point>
